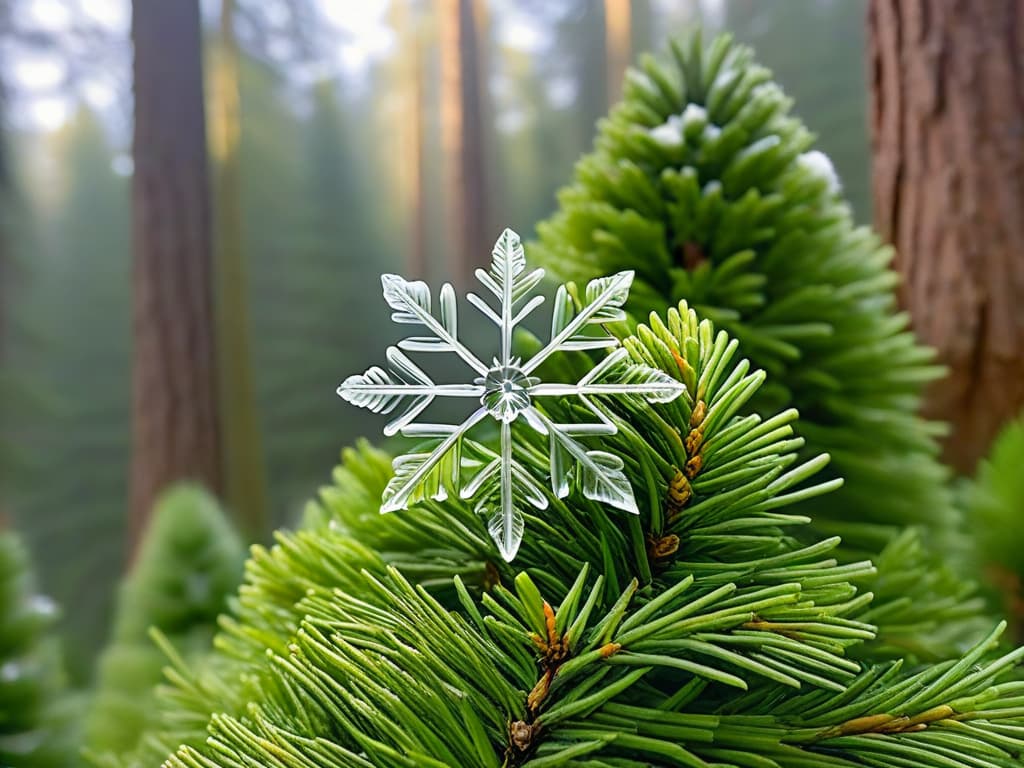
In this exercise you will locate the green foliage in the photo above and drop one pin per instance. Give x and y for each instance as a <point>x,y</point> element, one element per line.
<point>263,617</point>
<point>699,632</point>
<point>189,562</point>
<point>36,718</point>
<point>719,626</point>
<point>399,681</point>
<point>994,507</point>
<point>703,183</point>
<point>922,609</point>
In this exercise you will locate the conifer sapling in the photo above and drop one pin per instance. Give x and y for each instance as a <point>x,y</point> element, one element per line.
<point>37,728</point>
<point>189,563</point>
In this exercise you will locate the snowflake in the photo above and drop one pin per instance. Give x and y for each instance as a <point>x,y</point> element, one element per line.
<point>505,390</point>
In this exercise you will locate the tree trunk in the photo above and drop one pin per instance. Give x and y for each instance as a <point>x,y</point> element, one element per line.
<point>411,76</point>
<point>617,45</point>
<point>245,482</point>
<point>463,87</point>
<point>948,141</point>
<point>175,425</point>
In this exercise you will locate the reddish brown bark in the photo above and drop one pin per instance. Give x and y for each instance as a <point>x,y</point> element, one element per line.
<point>175,429</point>
<point>948,141</point>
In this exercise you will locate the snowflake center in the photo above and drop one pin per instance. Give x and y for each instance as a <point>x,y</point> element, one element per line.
<point>506,392</point>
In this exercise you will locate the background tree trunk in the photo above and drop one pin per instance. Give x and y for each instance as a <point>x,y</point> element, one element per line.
<point>175,425</point>
<point>245,483</point>
<point>464,87</point>
<point>411,76</point>
<point>617,44</point>
<point>948,140</point>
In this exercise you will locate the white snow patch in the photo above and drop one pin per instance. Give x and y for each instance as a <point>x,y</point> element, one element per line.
<point>669,133</point>
<point>694,113</point>
<point>761,145</point>
<point>42,605</point>
<point>820,164</point>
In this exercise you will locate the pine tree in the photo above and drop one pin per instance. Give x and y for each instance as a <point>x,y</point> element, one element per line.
<point>264,615</point>
<point>36,719</point>
<point>703,183</point>
<point>190,561</point>
<point>700,632</point>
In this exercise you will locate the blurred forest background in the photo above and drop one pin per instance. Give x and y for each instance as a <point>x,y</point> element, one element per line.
<point>361,148</point>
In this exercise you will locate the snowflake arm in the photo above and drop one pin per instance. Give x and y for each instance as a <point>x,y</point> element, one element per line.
<point>382,391</point>
<point>509,281</point>
<point>605,297</point>
<point>612,377</point>
<point>420,475</point>
<point>511,531</point>
<point>411,304</point>
<point>506,484</point>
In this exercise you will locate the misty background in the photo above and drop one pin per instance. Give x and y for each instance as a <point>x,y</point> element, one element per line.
<point>354,124</point>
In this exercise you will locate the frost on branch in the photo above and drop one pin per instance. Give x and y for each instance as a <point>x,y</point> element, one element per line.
<point>508,391</point>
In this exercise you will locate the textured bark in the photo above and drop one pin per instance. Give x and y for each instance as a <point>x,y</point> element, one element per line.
<point>175,425</point>
<point>245,483</point>
<point>948,142</point>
